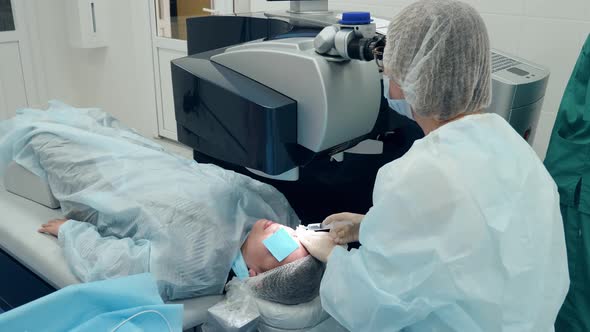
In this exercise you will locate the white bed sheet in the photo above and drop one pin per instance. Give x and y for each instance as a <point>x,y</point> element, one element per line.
<point>42,255</point>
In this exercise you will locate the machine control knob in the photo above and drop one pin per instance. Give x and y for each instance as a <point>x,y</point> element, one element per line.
<point>355,18</point>
<point>324,41</point>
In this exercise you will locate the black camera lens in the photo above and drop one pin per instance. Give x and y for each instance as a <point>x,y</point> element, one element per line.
<point>362,48</point>
<point>358,49</point>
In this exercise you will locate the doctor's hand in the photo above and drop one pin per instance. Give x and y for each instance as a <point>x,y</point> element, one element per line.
<point>319,245</point>
<point>52,227</point>
<point>345,227</point>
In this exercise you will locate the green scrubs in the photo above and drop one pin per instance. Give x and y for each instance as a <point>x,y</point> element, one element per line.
<point>568,161</point>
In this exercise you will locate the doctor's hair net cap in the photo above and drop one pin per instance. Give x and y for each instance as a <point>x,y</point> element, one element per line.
<point>438,52</point>
<point>294,283</point>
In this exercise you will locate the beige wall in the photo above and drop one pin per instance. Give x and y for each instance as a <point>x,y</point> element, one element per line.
<point>118,78</point>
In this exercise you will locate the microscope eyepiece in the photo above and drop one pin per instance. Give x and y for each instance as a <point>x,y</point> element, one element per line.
<point>364,48</point>
<point>350,42</point>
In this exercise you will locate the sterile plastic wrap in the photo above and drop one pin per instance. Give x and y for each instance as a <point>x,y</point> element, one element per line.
<point>238,312</point>
<point>242,310</point>
<point>138,208</point>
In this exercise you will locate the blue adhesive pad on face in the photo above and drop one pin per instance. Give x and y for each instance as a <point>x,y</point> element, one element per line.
<point>280,244</point>
<point>239,267</point>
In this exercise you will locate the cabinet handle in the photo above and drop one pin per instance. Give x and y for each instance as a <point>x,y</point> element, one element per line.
<point>93,17</point>
<point>211,11</point>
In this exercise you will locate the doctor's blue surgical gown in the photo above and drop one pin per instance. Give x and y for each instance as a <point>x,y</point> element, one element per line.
<point>465,234</point>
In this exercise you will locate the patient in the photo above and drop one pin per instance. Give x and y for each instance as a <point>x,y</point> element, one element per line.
<point>257,257</point>
<point>132,208</point>
<point>296,282</point>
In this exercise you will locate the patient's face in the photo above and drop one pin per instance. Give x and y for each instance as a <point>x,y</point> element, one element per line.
<point>257,256</point>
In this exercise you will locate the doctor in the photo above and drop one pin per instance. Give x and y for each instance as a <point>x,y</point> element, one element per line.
<point>465,232</point>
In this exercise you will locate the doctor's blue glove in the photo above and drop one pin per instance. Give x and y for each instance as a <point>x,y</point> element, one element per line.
<point>319,245</point>
<point>345,227</point>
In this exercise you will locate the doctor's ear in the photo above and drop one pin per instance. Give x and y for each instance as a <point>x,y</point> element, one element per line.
<point>252,273</point>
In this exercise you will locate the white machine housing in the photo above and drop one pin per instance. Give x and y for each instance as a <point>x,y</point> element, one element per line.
<point>327,113</point>
<point>518,91</point>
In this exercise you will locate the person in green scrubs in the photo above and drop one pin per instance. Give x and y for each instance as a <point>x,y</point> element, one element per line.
<point>568,161</point>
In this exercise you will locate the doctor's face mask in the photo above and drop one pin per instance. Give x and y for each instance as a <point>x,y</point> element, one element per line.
<point>401,106</point>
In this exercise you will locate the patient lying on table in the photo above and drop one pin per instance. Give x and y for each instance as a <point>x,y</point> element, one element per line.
<point>296,282</point>
<point>131,207</point>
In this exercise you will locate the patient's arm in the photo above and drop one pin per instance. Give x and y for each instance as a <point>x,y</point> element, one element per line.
<point>92,257</point>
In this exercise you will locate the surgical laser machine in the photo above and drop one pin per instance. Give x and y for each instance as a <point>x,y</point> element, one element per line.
<point>285,96</point>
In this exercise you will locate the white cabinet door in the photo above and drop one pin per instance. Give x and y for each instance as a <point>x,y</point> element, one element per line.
<point>167,121</point>
<point>12,83</point>
<point>169,34</point>
<point>20,85</point>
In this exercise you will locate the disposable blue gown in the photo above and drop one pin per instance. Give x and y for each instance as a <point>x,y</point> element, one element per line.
<point>465,234</point>
<point>134,207</point>
<point>131,301</point>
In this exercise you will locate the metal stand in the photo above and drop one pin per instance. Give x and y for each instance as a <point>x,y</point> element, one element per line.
<point>309,7</point>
